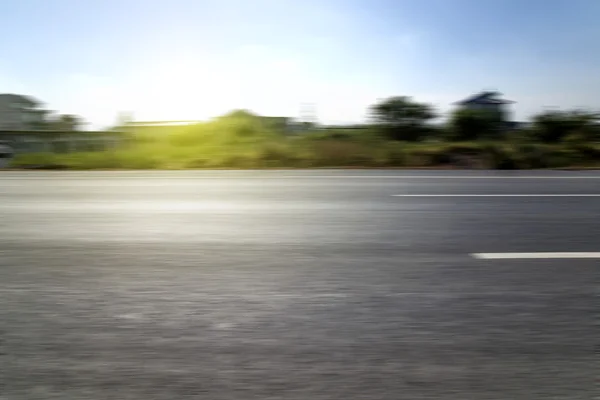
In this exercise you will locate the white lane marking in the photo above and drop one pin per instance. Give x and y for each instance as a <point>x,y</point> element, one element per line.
<point>546,256</point>
<point>500,195</point>
<point>309,296</point>
<point>127,175</point>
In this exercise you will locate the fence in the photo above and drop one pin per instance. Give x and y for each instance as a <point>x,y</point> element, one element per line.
<point>19,142</point>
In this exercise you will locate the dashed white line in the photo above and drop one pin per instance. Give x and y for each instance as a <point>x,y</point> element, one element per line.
<point>502,195</point>
<point>540,255</point>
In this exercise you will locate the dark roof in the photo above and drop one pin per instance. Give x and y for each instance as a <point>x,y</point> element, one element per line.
<point>19,98</point>
<point>485,98</point>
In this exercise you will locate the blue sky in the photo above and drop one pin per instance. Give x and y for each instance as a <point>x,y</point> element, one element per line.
<point>194,59</point>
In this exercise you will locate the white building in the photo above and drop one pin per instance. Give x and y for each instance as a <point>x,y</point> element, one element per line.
<point>19,112</point>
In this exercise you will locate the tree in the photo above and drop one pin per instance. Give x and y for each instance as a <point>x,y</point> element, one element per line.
<point>61,122</point>
<point>401,118</point>
<point>67,122</point>
<point>555,126</point>
<point>238,114</point>
<point>466,124</point>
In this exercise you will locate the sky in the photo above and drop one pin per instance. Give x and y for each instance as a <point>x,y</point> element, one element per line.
<point>197,59</point>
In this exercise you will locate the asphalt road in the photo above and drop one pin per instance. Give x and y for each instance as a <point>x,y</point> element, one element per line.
<point>297,285</point>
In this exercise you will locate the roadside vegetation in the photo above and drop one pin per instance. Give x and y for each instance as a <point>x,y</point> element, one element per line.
<point>400,135</point>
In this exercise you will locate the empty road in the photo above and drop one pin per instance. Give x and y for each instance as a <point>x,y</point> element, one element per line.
<point>379,285</point>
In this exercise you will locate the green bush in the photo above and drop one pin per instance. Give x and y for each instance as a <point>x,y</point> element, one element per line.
<point>394,155</point>
<point>35,160</point>
<point>468,124</point>
<point>237,161</point>
<point>501,157</point>
<point>421,157</point>
<point>529,155</point>
<point>587,152</point>
<point>331,153</point>
<point>562,157</point>
<point>273,155</point>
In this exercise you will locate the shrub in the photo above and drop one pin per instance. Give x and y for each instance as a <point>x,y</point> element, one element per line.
<point>468,124</point>
<point>394,156</point>
<point>421,157</point>
<point>402,118</point>
<point>500,157</point>
<point>236,161</point>
<point>35,160</point>
<point>562,157</point>
<point>272,155</point>
<point>330,153</point>
<point>531,155</point>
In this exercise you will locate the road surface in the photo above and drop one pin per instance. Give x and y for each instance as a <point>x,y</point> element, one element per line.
<point>299,285</point>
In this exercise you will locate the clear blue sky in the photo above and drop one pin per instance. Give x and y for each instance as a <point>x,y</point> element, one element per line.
<point>193,59</point>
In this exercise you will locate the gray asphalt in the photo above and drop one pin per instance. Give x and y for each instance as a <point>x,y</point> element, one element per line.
<point>296,285</point>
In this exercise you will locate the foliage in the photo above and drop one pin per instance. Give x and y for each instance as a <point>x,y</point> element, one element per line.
<point>60,122</point>
<point>324,153</point>
<point>401,118</point>
<point>554,126</point>
<point>466,124</point>
<point>241,139</point>
<point>67,123</point>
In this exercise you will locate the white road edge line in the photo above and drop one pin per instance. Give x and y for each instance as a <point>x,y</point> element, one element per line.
<point>500,195</point>
<point>545,256</point>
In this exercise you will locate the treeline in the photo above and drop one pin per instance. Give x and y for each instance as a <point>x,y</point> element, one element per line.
<point>58,122</point>
<point>402,118</point>
<point>399,135</point>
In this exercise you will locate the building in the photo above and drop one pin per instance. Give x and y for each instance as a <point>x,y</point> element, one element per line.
<point>492,102</point>
<point>487,101</point>
<point>19,113</point>
<point>24,129</point>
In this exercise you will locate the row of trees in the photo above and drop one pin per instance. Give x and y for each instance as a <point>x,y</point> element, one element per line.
<point>402,118</point>
<point>59,122</point>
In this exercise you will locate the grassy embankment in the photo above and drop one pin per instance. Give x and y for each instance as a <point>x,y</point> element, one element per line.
<point>249,143</point>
